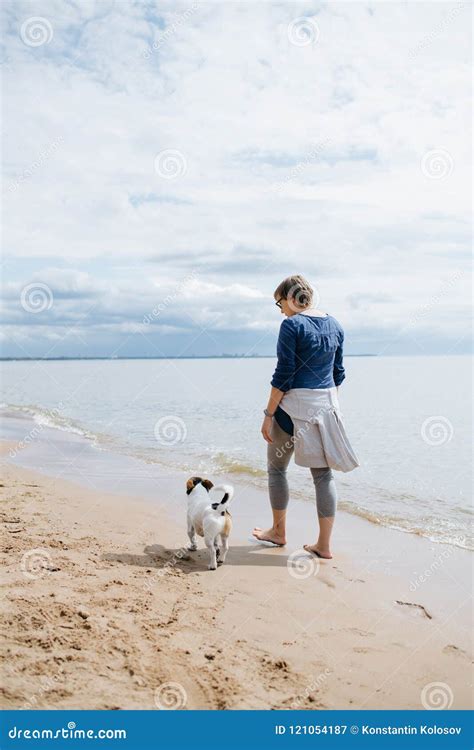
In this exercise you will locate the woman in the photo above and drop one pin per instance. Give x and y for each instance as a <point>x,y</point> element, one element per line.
<point>302,415</point>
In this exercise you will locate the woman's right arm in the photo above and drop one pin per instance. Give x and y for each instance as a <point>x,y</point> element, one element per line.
<point>339,372</point>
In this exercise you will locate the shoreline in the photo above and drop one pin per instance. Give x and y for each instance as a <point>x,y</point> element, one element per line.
<point>23,425</point>
<point>113,595</point>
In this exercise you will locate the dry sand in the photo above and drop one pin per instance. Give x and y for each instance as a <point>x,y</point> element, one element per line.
<point>102,611</point>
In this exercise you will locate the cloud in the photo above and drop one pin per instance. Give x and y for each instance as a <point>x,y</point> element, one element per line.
<point>327,159</point>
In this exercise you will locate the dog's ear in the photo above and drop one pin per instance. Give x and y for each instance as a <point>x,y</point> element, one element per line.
<point>207,484</point>
<point>191,483</point>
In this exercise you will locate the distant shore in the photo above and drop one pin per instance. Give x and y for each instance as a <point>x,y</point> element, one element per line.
<point>104,609</point>
<point>198,356</point>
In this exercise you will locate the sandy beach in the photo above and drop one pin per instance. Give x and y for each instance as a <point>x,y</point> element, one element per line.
<point>103,609</point>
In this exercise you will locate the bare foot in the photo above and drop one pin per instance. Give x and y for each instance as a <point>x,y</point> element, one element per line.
<point>269,536</point>
<point>313,548</point>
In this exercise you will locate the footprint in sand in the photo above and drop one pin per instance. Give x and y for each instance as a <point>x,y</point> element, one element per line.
<point>452,649</point>
<point>418,607</point>
<point>358,631</point>
<point>327,583</point>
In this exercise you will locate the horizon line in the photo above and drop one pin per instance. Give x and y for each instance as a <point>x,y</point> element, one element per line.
<point>171,356</point>
<point>212,356</point>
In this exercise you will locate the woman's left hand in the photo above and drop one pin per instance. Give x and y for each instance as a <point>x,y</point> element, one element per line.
<point>267,429</point>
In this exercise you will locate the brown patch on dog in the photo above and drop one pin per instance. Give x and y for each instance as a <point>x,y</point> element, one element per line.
<point>227,524</point>
<point>191,483</point>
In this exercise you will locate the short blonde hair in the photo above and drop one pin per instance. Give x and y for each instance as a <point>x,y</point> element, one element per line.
<point>297,288</point>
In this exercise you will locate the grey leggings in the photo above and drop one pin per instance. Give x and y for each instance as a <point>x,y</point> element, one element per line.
<point>279,454</point>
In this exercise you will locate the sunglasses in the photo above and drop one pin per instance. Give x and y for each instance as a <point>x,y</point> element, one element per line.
<point>278,303</point>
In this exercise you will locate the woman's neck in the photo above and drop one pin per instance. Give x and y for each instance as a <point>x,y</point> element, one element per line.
<point>313,312</point>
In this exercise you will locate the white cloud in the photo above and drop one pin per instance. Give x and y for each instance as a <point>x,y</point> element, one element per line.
<point>342,125</point>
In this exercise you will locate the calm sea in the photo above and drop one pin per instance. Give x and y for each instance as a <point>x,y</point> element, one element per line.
<point>408,419</point>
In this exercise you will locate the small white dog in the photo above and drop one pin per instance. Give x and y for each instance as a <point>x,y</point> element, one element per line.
<point>208,517</point>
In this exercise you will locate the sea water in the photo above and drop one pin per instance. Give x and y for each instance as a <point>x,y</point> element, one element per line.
<point>408,419</point>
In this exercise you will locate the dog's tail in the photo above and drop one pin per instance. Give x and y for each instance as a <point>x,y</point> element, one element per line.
<point>221,495</point>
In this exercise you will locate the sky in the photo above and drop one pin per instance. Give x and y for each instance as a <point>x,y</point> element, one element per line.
<point>166,165</point>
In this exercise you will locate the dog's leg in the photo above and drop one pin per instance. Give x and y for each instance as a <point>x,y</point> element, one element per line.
<point>212,553</point>
<point>224,548</point>
<point>192,537</point>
